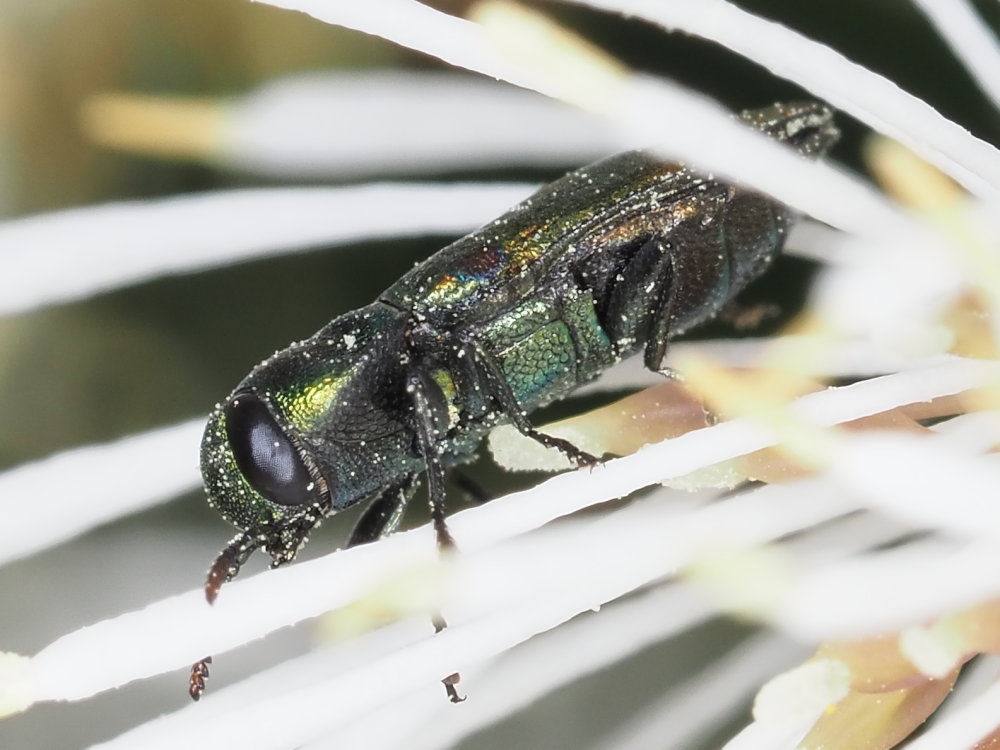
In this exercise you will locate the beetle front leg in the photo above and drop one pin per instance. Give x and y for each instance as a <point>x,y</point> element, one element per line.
<point>383,514</point>
<point>224,569</point>
<point>282,542</point>
<point>230,560</point>
<point>430,411</point>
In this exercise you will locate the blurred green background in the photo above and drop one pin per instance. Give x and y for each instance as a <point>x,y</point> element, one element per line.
<point>164,351</point>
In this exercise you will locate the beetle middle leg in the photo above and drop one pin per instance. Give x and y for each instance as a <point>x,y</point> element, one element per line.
<point>384,513</point>
<point>490,372</point>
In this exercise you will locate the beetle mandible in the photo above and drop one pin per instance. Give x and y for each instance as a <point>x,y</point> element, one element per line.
<point>613,258</point>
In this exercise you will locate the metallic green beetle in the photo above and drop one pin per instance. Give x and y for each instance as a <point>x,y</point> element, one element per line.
<point>613,258</point>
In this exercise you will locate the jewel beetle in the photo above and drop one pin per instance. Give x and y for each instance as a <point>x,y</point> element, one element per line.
<point>614,258</point>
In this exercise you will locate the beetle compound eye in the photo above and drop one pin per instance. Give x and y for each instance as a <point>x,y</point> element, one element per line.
<point>264,454</point>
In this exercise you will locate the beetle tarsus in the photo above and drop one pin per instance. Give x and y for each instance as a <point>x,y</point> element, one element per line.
<point>199,673</point>
<point>449,683</point>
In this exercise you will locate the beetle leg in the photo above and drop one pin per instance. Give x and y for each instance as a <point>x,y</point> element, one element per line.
<point>230,560</point>
<point>287,539</point>
<point>430,410</point>
<point>500,390</point>
<point>196,682</point>
<point>675,276</point>
<point>658,334</point>
<point>655,350</point>
<point>644,278</point>
<point>383,514</point>
<point>224,569</point>
<point>651,271</point>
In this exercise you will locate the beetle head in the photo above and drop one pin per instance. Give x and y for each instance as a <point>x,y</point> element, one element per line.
<point>279,454</point>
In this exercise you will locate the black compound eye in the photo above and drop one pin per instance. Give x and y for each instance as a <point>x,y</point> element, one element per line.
<point>264,454</point>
